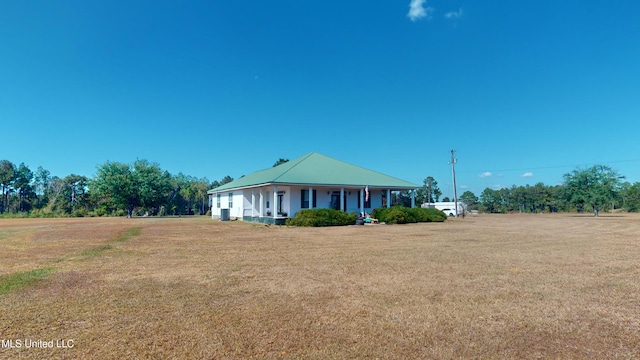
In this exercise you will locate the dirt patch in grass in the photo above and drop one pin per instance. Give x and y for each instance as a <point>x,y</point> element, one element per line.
<point>503,286</point>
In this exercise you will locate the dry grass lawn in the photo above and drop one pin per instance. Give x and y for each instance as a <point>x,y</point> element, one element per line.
<point>490,286</point>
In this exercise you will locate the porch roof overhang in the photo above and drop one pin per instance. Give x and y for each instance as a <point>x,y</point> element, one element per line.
<point>315,186</point>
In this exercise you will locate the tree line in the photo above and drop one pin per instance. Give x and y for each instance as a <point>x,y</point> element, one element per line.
<point>140,188</point>
<point>143,188</point>
<point>590,189</point>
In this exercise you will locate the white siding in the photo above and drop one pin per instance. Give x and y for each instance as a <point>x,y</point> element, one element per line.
<point>295,199</point>
<point>237,206</point>
<point>215,210</point>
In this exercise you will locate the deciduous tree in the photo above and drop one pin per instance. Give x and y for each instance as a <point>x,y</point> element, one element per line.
<point>491,200</point>
<point>594,187</point>
<point>115,183</point>
<point>631,197</point>
<point>70,195</point>
<point>469,198</point>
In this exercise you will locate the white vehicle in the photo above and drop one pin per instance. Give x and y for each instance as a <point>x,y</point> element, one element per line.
<point>448,207</point>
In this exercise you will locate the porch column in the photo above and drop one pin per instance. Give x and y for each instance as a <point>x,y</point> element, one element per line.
<point>275,200</point>
<point>253,202</point>
<point>342,199</point>
<point>261,203</point>
<point>413,198</point>
<point>310,197</point>
<point>362,202</point>
<point>388,198</point>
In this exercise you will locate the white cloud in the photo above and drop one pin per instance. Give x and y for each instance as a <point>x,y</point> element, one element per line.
<point>485,174</point>
<point>527,174</point>
<point>454,15</point>
<point>417,10</point>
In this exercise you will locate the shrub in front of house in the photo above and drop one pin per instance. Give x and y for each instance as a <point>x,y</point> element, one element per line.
<point>404,215</point>
<point>392,215</point>
<point>322,217</point>
<point>434,215</point>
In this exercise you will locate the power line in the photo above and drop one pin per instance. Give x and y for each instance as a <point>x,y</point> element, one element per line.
<point>560,166</point>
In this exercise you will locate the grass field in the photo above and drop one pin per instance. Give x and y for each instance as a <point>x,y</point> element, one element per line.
<point>490,286</point>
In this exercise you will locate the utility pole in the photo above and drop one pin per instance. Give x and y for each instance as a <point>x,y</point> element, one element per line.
<point>453,172</point>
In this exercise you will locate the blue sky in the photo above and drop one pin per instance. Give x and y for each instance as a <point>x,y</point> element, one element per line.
<point>524,91</point>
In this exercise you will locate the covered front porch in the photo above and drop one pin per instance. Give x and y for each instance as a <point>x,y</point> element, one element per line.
<point>273,204</point>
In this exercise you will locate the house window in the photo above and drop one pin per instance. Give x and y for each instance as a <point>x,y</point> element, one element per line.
<point>304,199</point>
<point>218,200</point>
<point>230,200</point>
<point>268,202</point>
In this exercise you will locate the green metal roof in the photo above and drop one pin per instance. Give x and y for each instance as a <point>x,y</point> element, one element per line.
<point>320,170</point>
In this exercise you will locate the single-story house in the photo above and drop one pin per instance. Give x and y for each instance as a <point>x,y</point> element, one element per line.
<point>310,181</point>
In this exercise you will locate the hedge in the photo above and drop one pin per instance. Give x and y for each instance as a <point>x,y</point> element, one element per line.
<point>322,217</point>
<point>404,215</point>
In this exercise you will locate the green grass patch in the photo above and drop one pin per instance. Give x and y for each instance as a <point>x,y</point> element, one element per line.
<point>128,234</point>
<point>5,233</point>
<point>22,279</point>
<point>124,236</point>
<point>96,251</point>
